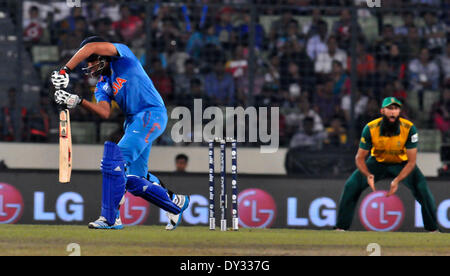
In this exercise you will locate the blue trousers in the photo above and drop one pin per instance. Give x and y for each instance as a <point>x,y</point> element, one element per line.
<point>140,132</point>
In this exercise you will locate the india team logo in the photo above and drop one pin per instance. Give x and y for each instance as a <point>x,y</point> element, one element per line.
<point>134,211</point>
<point>257,209</point>
<point>380,213</point>
<point>11,204</point>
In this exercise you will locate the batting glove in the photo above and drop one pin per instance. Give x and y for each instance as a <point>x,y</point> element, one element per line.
<point>71,100</point>
<point>60,79</point>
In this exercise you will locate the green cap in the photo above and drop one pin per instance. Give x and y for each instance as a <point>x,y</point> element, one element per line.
<point>390,100</point>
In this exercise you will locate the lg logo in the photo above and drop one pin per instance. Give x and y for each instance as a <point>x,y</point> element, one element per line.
<point>11,204</point>
<point>380,213</point>
<point>257,209</point>
<point>134,211</point>
<point>68,207</point>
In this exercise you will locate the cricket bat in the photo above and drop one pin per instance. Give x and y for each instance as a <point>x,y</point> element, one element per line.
<point>65,147</point>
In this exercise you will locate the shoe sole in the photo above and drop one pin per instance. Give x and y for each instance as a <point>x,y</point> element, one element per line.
<point>117,227</point>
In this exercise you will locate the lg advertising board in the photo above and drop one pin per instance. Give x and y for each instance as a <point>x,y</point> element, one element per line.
<point>36,197</point>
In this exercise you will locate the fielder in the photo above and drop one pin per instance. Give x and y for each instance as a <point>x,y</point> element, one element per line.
<point>392,142</point>
<point>124,166</point>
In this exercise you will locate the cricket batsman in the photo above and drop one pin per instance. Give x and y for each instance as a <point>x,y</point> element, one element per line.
<point>392,142</point>
<point>124,165</point>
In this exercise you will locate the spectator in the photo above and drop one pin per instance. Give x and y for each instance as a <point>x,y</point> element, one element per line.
<point>386,42</point>
<point>169,36</point>
<point>224,28</point>
<point>434,32</point>
<point>444,63</point>
<point>199,39</point>
<point>70,43</point>
<point>325,102</point>
<point>39,121</point>
<point>181,163</point>
<point>43,7</point>
<point>176,57</point>
<point>268,96</point>
<point>317,44</point>
<point>242,85</point>
<point>198,92</point>
<point>272,74</point>
<point>342,83</point>
<point>292,81</point>
<point>397,62</point>
<point>414,45</point>
<point>342,29</point>
<point>359,107</point>
<point>14,120</point>
<point>219,85</point>
<point>307,137</point>
<point>33,27</point>
<point>68,24</point>
<point>408,22</point>
<point>111,9</point>
<point>365,62</point>
<point>312,28</point>
<point>324,61</point>
<point>162,80</point>
<point>294,52</point>
<point>243,31</point>
<point>238,64</point>
<point>293,34</point>
<point>182,82</point>
<point>103,28</point>
<point>130,27</point>
<point>336,133</point>
<point>423,75</point>
<point>382,76</point>
<point>162,27</point>
<point>96,11</point>
<point>440,113</point>
<point>445,16</point>
<point>294,120</point>
<point>278,27</point>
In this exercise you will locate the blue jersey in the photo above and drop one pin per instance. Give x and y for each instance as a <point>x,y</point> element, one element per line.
<point>129,85</point>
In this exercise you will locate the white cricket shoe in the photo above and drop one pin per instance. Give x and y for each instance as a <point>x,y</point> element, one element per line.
<point>181,201</point>
<point>101,223</point>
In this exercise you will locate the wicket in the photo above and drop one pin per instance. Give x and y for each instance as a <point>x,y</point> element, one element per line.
<point>223,184</point>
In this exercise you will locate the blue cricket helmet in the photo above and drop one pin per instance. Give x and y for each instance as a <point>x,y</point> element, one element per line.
<point>92,39</point>
<point>101,60</point>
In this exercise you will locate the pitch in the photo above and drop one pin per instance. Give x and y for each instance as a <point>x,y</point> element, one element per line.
<point>200,241</point>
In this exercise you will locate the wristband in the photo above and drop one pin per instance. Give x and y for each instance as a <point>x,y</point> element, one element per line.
<point>65,70</point>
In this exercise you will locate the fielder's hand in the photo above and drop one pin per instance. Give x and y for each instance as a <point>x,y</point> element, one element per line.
<point>71,100</point>
<point>394,188</point>
<point>371,182</point>
<point>60,79</point>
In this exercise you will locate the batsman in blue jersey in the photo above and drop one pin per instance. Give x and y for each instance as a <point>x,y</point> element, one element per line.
<point>124,166</point>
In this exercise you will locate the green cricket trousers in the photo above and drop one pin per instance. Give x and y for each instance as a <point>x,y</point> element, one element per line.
<point>357,183</point>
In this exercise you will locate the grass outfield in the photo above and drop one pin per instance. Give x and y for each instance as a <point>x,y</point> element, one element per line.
<point>199,241</point>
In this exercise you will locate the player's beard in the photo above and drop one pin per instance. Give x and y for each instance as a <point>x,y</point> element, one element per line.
<point>390,128</point>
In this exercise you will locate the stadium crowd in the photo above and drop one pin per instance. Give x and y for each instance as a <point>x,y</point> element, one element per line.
<point>303,61</point>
